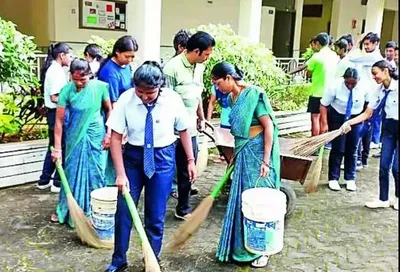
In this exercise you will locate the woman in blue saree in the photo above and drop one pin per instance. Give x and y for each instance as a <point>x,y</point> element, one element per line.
<point>85,134</point>
<point>256,156</point>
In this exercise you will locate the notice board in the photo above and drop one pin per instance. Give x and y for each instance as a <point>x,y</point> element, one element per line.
<point>101,14</point>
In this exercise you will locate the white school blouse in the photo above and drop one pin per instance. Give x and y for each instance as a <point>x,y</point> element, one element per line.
<point>56,78</point>
<point>338,96</point>
<point>392,101</point>
<point>169,114</point>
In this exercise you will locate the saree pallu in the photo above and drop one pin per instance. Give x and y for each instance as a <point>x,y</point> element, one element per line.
<point>85,161</point>
<point>249,154</point>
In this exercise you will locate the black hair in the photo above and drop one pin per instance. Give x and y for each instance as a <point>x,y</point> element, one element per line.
<point>94,51</point>
<point>54,51</point>
<point>149,75</point>
<point>348,38</point>
<point>80,65</point>
<point>223,69</point>
<point>383,64</point>
<point>342,44</point>
<point>181,38</point>
<point>372,37</point>
<point>322,38</point>
<point>396,48</point>
<point>390,44</point>
<point>200,40</point>
<point>123,44</point>
<point>351,73</point>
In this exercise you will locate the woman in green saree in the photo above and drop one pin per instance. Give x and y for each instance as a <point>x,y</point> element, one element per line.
<point>86,139</point>
<point>256,156</point>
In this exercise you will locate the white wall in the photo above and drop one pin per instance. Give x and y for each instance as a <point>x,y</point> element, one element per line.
<point>392,4</point>
<point>178,14</point>
<point>343,12</point>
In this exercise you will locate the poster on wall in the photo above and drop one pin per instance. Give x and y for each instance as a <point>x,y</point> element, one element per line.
<point>101,14</point>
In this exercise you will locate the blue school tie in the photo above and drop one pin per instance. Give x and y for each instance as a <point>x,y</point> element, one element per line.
<point>349,106</point>
<point>148,148</point>
<point>381,107</point>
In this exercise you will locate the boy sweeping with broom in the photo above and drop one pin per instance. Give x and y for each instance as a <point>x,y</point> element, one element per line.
<point>151,114</point>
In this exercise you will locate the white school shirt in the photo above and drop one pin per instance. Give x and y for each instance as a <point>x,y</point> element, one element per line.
<point>392,102</point>
<point>94,67</point>
<point>338,96</point>
<point>169,114</point>
<point>392,63</point>
<point>342,66</point>
<point>56,78</point>
<point>363,64</point>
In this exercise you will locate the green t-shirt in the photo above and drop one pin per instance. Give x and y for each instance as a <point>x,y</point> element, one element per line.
<point>323,66</point>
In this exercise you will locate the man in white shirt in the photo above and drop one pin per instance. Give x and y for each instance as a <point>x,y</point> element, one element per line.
<point>363,63</point>
<point>389,52</point>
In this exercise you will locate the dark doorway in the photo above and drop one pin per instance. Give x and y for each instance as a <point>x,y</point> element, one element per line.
<point>282,45</point>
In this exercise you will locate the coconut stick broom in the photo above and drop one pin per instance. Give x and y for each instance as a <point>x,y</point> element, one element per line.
<point>312,184</point>
<point>150,260</point>
<point>308,146</point>
<point>83,226</point>
<point>199,215</point>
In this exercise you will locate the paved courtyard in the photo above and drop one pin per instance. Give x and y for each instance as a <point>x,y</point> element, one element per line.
<point>328,231</point>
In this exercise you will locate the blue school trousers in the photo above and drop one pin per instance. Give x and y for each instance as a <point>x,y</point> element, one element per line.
<point>156,193</point>
<point>343,146</point>
<point>389,158</point>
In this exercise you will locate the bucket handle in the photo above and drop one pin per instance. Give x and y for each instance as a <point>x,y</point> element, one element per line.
<point>269,182</point>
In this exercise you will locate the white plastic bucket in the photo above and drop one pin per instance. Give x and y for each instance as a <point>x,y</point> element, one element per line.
<point>264,212</point>
<point>104,206</point>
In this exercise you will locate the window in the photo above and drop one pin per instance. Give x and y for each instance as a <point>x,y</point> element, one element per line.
<point>312,11</point>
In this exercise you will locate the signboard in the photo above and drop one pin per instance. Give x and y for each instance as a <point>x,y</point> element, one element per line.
<point>99,14</point>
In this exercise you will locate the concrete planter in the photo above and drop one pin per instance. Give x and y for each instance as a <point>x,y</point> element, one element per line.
<point>21,162</point>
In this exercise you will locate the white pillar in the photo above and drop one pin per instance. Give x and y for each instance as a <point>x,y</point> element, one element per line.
<point>250,19</point>
<point>144,24</point>
<point>374,16</point>
<point>297,28</point>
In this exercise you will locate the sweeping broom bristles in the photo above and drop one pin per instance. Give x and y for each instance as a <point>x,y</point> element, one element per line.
<point>187,229</point>
<point>312,184</point>
<point>83,226</point>
<point>150,260</point>
<point>199,215</point>
<point>308,146</point>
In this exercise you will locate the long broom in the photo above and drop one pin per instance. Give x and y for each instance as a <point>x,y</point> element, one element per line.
<point>312,184</point>
<point>83,226</point>
<point>308,146</point>
<point>150,260</point>
<point>199,215</point>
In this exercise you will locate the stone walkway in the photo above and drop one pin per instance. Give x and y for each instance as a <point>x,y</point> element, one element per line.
<point>328,231</point>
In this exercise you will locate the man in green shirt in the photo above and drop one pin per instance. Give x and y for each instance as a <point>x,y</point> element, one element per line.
<point>322,68</point>
<point>184,74</point>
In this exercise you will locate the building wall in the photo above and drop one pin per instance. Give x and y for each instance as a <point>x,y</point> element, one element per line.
<point>395,34</point>
<point>178,14</point>
<point>30,20</point>
<point>387,27</point>
<point>312,26</point>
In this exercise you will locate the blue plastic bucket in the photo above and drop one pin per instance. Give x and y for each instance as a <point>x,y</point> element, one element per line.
<point>263,220</point>
<point>104,206</point>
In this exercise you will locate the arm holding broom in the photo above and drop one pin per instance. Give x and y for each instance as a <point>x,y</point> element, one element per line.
<point>56,154</point>
<point>346,127</point>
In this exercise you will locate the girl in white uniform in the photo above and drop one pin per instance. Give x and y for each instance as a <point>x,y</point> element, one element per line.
<point>150,114</point>
<point>385,102</point>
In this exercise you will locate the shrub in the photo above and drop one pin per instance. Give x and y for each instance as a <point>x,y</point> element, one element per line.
<point>20,102</point>
<point>256,61</point>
